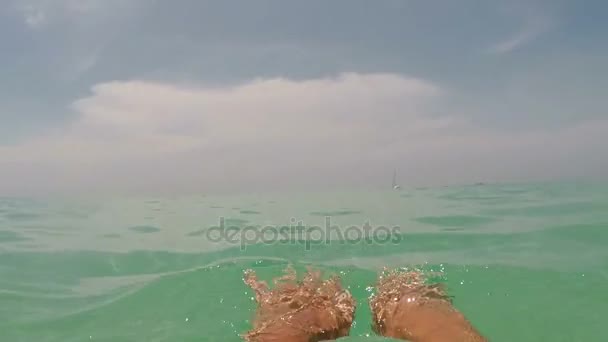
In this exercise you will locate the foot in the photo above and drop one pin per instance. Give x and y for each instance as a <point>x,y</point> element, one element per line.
<point>300,311</point>
<point>407,308</point>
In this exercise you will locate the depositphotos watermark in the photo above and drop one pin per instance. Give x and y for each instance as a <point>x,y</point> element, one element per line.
<point>296,233</point>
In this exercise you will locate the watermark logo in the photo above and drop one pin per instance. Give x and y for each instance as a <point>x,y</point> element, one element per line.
<point>296,233</point>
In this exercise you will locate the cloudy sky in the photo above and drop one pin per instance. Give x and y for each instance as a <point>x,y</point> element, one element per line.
<point>227,95</point>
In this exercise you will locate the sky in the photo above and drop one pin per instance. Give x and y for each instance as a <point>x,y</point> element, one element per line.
<point>200,96</point>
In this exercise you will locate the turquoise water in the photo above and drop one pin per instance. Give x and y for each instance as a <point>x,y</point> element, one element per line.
<point>523,262</point>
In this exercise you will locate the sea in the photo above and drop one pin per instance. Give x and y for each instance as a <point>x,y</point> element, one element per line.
<point>523,262</point>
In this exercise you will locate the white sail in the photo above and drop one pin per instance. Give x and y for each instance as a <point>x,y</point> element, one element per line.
<point>395,185</point>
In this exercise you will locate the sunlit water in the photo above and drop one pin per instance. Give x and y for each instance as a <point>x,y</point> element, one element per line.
<point>523,262</point>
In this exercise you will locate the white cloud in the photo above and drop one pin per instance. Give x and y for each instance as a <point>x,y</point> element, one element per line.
<point>36,13</point>
<point>39,13</point>
<point>127,119</point>
<point>33,16</point>
<point>81,30</point>
<point>523,37</point>
<point>535,23</point>
<point>276,131</point>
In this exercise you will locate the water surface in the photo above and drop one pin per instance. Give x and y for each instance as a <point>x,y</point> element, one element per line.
<point>523,262</point>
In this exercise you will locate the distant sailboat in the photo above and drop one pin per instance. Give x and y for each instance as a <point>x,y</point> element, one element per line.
<point>395,185</point>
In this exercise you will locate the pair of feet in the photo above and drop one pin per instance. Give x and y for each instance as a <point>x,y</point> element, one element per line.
<point>313,309</point>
